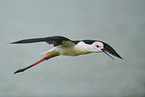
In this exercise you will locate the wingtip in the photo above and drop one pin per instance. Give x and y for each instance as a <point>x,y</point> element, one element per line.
<point>121,58</point>
<point>13,43</point>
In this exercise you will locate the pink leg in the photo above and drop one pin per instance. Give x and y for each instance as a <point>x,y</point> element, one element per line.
<point>41,60</point>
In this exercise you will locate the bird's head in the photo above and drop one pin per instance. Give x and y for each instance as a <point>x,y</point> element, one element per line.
<point>100,46</point>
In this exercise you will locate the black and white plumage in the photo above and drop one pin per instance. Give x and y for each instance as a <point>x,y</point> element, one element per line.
<point>67,47</point>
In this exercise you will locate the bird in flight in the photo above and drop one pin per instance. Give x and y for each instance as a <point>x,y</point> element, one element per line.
<point>67,47</point>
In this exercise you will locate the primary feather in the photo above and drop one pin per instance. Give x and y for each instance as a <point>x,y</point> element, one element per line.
<point>55,40</point>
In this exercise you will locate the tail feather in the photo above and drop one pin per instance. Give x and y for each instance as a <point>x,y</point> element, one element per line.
<point>44,53</point>
<point>47,53</point>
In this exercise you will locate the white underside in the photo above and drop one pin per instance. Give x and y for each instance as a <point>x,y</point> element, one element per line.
<point>67,51</point>
<point>79,49</point>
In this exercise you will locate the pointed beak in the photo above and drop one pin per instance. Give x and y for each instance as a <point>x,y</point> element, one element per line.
<point>103,50</point>
<point>108,49</point>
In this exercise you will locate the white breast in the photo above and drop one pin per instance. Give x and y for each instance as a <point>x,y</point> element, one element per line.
<point>79,49</point>
<point>82,48</point>
<point>68,51</point>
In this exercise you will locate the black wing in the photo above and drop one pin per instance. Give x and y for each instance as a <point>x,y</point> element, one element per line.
<point>107,47</point>
<point>55,40</point>
<point>111,50</point>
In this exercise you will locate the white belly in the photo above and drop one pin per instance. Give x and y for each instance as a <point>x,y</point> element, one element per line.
<point>67,51</point>
<point>76,50</point>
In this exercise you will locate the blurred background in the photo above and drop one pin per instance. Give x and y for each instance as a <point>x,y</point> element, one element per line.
<point>120,23</point>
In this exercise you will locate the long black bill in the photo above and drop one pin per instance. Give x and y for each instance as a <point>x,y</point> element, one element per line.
<point>109,49</point>
<point>107,54</point>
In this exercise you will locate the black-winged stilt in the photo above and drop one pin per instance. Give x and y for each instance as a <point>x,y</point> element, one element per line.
<point>67,47</point>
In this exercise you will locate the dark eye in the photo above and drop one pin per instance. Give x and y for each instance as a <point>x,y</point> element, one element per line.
<point>97,46</point>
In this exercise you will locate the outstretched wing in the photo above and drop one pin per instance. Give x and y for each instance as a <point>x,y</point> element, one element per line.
<point>111,50</point>
<point>55,40</point>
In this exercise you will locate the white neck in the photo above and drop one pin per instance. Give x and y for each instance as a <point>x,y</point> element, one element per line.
<point>82,48</point>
